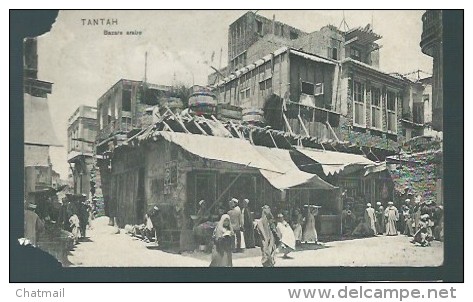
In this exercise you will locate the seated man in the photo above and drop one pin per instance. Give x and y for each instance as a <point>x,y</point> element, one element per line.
<point>363,229</point>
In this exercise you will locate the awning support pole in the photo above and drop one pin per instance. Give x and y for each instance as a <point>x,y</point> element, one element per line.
<point>272,138</point>
<point>179,120</point>
<point>303,125</point>
<point>225,191</point>
<point>200,128</point>
<point>332,131</point>
<point>167,127</point>
<point>287,123</point>
<point>236,130</point>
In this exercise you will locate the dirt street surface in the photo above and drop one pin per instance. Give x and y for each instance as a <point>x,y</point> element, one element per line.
<point>105,248</point>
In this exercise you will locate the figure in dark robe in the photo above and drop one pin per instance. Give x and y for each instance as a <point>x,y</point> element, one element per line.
<point>380,219</point>
<point>247,225</point>
<point>83,214</point>
<point>297,221</point>
<point>223,238</point>
<point>348,220</point>
<point>268,236</point>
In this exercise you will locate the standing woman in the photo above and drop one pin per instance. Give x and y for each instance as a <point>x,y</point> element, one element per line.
<point>223,238</point>
<point>310,233</point>
<point>268,236</point>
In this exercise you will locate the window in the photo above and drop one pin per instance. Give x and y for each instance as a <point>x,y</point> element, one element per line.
<point>319,89</point>
<point>126,100</point>
<point>126,124</point>
<point>333,49</point>
<point>293,35</point>
<point>244,94</point>
<point>355,53</point>
<point>265,87</point>
<point>359,103</point>
<point>307,88</point>
<point>391,109</point>
<point>376,112</point>
<point>282,30</point>
<point>335,53</point>
<point>109,117</point>
<point>259,27</point>
<point>418,113</point>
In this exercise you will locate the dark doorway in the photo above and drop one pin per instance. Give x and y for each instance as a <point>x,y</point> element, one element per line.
<point>140,197</point>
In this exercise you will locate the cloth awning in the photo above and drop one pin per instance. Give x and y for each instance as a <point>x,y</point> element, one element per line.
<point>39,128</point>
<point>291,176</point>
<point>231,150</point>
<point>334,162</point>
<point>377,167</point>
<point>274,164</point>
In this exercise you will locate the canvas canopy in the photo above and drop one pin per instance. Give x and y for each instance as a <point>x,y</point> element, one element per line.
<point>334,162</point>
<point>231,150</point>
<point>39,129</point>
<point>275,165</point>
<point>291,176</point>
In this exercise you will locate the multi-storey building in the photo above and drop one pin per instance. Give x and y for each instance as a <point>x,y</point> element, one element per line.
<point>326,85</point>
<point>252,36</point>
<point>122,111</point>
<point>251,28</point>
<point>81,135</point>
<point>39,131</point>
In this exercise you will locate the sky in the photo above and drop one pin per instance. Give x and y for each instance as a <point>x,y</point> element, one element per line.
<point>82,62</point>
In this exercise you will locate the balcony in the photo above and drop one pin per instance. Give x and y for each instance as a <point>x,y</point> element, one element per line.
<point>115,127</point>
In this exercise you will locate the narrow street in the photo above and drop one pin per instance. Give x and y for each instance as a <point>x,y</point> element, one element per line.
<point>105,248</point>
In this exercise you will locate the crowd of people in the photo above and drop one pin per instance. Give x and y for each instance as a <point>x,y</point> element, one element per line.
<point>420,219</point>
<point>237,230</point>
<point>233,229</point>
<point>76,215</point>
<point>56,226</point>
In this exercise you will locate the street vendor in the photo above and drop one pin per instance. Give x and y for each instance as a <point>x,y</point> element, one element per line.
<point>309,234</point>
<point>203,228</point>
<point>424,234</point>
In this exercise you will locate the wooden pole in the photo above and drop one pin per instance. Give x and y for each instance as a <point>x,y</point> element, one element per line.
<point>225,191</point>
